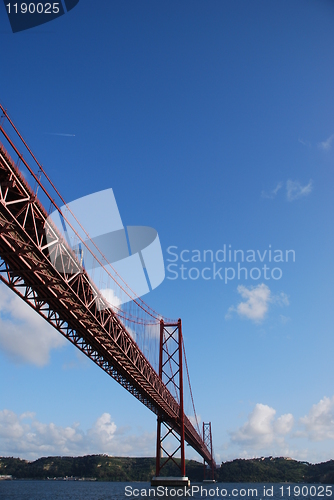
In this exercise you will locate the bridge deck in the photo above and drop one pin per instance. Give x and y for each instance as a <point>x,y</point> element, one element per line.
<point>68,300</point>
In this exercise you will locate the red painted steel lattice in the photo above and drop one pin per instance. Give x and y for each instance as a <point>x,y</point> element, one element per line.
<point>66,296</point>
<point>170,372</point>
<point>209,465</point>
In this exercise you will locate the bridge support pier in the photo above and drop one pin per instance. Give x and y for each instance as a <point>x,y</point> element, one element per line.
<point>171,373</point>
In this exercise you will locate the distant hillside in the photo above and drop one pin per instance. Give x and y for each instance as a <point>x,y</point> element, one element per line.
<point>105,468</point>
<point>276,470</point>
<point>101,467</point>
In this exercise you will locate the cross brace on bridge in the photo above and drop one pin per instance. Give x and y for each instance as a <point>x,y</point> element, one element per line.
<point>209,467</point>
<point>67,298</point>
<point>170,353</point>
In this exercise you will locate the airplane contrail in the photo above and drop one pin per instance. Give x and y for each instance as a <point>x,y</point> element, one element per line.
<point>60,133</point>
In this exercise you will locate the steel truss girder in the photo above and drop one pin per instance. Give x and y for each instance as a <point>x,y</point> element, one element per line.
<point>68,300</point>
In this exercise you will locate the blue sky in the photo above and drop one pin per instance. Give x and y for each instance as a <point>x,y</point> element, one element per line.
<point>213,123</point>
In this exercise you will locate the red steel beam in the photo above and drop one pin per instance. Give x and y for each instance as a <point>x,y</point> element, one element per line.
<point>69,301</point>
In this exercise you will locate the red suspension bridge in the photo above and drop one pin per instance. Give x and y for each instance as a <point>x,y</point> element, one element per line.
<point>140,349</point>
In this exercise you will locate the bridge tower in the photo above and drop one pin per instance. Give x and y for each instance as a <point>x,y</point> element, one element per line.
<point>209,467</point>
<point>171,374</point>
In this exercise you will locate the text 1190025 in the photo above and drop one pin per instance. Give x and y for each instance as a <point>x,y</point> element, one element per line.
<point>33,8</point>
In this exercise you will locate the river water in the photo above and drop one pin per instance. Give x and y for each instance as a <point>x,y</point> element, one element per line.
<point>85,490</point>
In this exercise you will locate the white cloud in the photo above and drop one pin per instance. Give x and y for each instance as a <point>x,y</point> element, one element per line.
<point>256,302</point>
<point>285,435</point>
<point>281,299</point>
<point>327,144</point>
<point>258,430</point>
<point>24,335</point>
<point>110,296</point>
<point>284,424</point>
<point>271,195</point>
<point>103,431</point>
<point>319,423</point>
<point>262,430</point>
<point>10,426</point>
<point>25,437</point>
<point>295,190</point>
